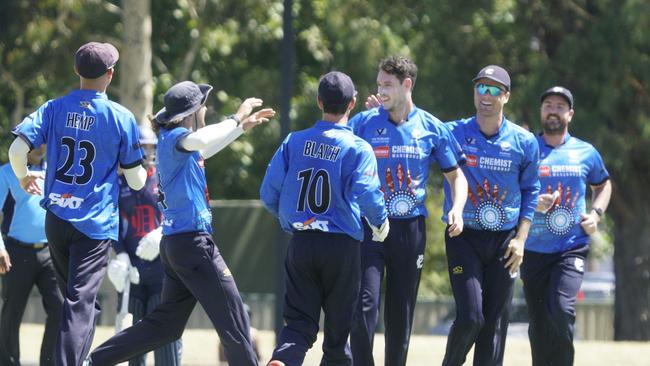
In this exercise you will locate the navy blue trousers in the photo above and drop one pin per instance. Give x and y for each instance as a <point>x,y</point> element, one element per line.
<point>482,290</point>
<point>80,265</point>
<point>400,257</point>
<point>30,267</point>
<point>142,301</point>
<point>322,271</point>
<point>551,285</point>
<point>194,270</point>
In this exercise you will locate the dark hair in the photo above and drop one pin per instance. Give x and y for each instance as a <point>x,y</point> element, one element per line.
<point>336,109</point>
<point>401,67</point>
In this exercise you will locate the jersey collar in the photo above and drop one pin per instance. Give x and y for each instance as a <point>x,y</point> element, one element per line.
<point>330,125</point>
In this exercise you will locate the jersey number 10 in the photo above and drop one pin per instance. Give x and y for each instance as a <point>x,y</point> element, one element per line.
<point>315,189</point>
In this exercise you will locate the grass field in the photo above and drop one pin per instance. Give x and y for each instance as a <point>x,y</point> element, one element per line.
<point>200,348</point>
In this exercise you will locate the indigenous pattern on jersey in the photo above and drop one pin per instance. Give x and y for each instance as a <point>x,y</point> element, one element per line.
<point>87,135</point>
<point>568,169</point>
<point>320,178</point>
<point>404,154</point>
<point>139,215</point>
<point>501,172</point>
<point>28,221</point>
<point>183,191</point>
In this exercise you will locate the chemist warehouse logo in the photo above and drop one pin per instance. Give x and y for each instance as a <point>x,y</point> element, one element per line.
<point>65,200</point>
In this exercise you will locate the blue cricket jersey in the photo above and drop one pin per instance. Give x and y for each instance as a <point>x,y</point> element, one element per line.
<point>139,215</point>
<point>404,154</point>
<point>183,191</point>
<point>568,169</point>
<point>87,135</point>
<point>501,172</point>
<point>28,221</point>
<point>320,179</point>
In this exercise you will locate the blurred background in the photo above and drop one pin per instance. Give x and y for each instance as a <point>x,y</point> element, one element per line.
<point>277,49</point>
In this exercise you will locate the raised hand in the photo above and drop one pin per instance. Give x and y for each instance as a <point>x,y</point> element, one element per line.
<point>257,118</point>
<point>30,183</point>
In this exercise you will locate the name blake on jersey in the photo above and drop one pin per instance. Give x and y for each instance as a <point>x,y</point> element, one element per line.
<point>321,151</point>
<point>80,121</point>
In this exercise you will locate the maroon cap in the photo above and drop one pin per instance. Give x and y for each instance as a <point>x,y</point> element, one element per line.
<point>93,59</point>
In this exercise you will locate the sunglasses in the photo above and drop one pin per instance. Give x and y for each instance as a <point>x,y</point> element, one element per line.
<point>494,91</point>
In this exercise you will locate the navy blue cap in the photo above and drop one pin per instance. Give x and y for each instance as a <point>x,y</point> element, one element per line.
<point>93,59</point>
<point>181,100</point>
<point>561,91</point>
<point>336,88</point>
<point>495,73</point>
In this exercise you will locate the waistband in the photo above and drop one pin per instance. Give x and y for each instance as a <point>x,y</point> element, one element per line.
<point>26,245</point>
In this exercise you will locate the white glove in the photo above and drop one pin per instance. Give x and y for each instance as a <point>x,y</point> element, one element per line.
<point>119,268</point>
<point>149,246</point>
<point>380,233</point>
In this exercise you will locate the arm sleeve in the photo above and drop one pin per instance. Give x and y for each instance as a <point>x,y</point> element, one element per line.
<point>365,186</point>
<point>447,151</point>
<point>135,177</point>
<point>598,174</point>
<point>130,151</point>
<point>33,128</point>
<point>211,139</point>
<point>18,157</point>
<point>529,180</point>
<point>276,172</point>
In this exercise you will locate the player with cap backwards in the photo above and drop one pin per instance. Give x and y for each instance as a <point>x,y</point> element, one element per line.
<point>87,136</point>
<point>406,141</point>
<point>317,184</point>
<point>483,261</point>
<point>137,250</point>
<point>558,243</point>
<point>194,269</point>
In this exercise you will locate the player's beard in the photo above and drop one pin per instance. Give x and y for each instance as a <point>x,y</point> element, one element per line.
<point>554,126</point>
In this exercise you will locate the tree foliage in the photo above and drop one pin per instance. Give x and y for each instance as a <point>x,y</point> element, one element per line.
<point>600,49</point>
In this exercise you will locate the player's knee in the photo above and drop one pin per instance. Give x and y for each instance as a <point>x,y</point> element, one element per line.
<point>562,314</point>
<point>470,325</point>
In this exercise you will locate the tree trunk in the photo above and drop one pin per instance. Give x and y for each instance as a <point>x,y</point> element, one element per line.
<point>136,84</point>
<point>632,265</point>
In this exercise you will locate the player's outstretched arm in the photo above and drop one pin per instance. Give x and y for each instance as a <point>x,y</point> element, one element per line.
<point>211,139</point>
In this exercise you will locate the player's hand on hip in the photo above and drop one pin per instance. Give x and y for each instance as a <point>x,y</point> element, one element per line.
<point>380,233</point>
<point>30,183</point>
<point>5,262</point>
<point>257,118</point>
<point>149,246</point>
<point>546,200</point>
<point>455,222</point>
<point>589,222</point>
<point>514,255</point>
<point>373,101</point>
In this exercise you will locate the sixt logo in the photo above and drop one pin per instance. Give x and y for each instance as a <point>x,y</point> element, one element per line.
<point>65,200</point>
<point>312,224</point>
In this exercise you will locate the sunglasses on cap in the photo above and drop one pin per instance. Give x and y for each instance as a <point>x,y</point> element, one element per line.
<point>494,91</point>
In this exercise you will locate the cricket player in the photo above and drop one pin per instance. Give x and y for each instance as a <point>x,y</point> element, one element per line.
<point>25,261</point>
<point>406,141</point>
<point>317,184</point>
<point>483,261</point>
<point>558,243</point>
<point>87,136</point>
<point>194,268</point>
<point>137,250</point>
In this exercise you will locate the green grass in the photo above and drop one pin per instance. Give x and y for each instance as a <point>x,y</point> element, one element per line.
<point>200,348</point>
